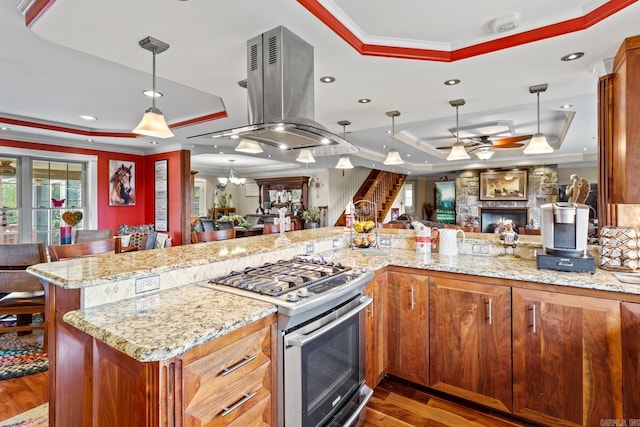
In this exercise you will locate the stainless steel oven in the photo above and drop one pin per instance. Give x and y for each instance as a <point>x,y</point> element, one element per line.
<point>324,368</point>
<point>321,352</point>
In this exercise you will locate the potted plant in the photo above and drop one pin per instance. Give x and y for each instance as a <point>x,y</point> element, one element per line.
<point>311,217</point>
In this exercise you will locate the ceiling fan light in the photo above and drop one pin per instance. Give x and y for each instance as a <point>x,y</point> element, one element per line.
<point>538,145</point>
<point>458,152</point>
<point>223,180</point>
<point>393,158</point>
<point>251,147</point>
<point>305,156</point>
<point>153,124</point>
<point>485,154</point>
<point>344,163</point>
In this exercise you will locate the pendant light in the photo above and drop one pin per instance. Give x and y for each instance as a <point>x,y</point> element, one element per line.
<point>344,162</point>
<point>306,156</point>
<point>153,123</point>
<point>393,157</point>
<point>458,152</point>
<point>538,143</point>
<point>233,177</point>
<point>247,146</point>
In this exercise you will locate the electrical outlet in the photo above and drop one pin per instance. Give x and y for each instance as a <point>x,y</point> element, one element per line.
<point>310,248</point>
<point>335,242</point>
<point>385,241</point>
<point>480,249</point>
<point>146,284</point>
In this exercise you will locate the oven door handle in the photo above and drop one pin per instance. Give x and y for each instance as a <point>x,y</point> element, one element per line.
<point>299,340</point>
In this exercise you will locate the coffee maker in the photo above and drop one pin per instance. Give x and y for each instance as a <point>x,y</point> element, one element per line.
<point>564,228</point>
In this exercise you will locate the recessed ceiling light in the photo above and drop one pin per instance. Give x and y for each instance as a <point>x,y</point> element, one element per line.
<point>4,128</point>
<point>327,79</point>
<point>153,142</point>
<point>283,146</point>
<point>235,136</point>
<point>87,117</point>
<point>364,100</point>
<point>325,141</point>
<point>408,155</point>
<point>572,56</point>
<point>215,146</point>
<point>151,94</point>
<point>269,155</point>
<point>451,82</point>
<point>90,140</point>
<point>565,106</point>
<point>384,146</point>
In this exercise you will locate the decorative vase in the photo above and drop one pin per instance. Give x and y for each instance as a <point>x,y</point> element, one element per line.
<point>66,232</point>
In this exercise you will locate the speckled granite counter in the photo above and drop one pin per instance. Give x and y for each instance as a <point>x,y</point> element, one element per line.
<point>166,324</point>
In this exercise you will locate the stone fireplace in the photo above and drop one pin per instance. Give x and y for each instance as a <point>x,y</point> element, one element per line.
<point>490,217</point>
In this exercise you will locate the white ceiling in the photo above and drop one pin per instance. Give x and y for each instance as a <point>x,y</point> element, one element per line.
<point>82,57</point>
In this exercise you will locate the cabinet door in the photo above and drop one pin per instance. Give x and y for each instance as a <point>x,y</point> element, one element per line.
<point>567,362</point>
<point>470,341</point>
<point>408,297</point>
<point>376,331</point>
<point>631,359</point>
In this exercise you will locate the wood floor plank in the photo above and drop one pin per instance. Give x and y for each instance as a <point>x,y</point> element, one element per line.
<point>39,384</point>
<point>7,408</point>
<point>399,403</point>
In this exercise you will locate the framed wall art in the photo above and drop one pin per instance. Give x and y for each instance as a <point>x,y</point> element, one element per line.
<point>446,202</point>
<point>122,183</point>
<point>161,177</point>
<point>503,185</point>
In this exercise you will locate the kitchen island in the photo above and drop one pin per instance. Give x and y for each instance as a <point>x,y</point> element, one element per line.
<point>180,269</point>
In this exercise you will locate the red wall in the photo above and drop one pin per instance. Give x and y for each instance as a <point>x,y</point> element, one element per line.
<point>143,211</point>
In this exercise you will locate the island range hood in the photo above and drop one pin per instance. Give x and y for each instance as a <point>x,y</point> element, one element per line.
<point>280,86</point>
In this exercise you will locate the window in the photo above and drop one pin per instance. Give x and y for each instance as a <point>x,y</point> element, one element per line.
<point>9,213</point>
<point>199,197</point>
<point>408,197</point>
<point>30,179</point>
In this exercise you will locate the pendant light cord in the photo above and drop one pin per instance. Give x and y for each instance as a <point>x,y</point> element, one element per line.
<point>538,95</point>
<point>153,95</point>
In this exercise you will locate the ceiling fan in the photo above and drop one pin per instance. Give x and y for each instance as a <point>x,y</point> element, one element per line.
<point>486,141</point>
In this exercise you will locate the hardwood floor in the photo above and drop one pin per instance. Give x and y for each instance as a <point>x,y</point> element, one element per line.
<point>397,403</point>
<point>18,395</point>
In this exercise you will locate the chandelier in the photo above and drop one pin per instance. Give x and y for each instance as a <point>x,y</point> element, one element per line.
<point>233,177</point>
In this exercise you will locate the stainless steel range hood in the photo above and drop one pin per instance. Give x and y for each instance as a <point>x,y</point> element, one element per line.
<point>280,85</point>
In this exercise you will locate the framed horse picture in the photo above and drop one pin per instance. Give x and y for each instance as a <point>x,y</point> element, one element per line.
<point>122,183</point>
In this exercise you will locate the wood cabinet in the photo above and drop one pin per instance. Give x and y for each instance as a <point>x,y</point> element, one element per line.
<point>408,322</point>
<point>624,155</point>
<point>216,213</point>
<point>630,314</point>
<point>567,361</point>
<point>227,381</point>
<point>470,341</point>
<point>284,184</point>
<point>376,342</point>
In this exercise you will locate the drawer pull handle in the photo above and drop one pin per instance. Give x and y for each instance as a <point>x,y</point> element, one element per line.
<point>240,364</point>
<point>533,309</point>
<point>370,309</point>
<point>226,411</point>
<point>413,302</point>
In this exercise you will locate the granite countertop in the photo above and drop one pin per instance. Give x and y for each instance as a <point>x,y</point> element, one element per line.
<point>488,266</point>
<point>168,323</point>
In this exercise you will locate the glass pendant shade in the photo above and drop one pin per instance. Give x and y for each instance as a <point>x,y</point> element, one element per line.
<point>458,152</point>
<point>538,145</point>
<point>344,163</point>
<point>251,147</point>
<point>393,158</point>
<point>305,156</point>
<point>153,124</point>
<point>485,154</point>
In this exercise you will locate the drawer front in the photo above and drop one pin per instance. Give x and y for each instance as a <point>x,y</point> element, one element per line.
<point>222,386</point>
<point>221,406</point>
